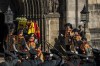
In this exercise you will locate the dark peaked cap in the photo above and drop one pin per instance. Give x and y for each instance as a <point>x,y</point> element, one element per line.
<point>75,30</point>
<point>68,24</point>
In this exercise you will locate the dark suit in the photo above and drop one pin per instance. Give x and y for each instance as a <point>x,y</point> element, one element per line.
<point>36,61</point>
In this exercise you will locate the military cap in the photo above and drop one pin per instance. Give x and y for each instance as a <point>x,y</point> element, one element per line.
<point>68,24</point>
<point>33,51</point>
<point>75,30</point>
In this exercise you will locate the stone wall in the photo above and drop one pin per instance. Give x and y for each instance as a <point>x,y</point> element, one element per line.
<point>52,27</point>
<point>72,13</point>
<point>94,9</point>
<point>95,35</point>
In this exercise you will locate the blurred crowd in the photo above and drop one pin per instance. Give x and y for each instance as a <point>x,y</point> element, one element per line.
<point>24,49</point>
<point>76,40</point>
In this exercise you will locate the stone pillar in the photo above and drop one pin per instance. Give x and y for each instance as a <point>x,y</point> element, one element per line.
<point>52,27</point>
<point>71,12</point>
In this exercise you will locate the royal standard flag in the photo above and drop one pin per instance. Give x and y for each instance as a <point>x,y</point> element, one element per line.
<point>31,28</point>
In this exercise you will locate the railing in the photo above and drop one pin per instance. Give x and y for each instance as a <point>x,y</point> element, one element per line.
<point>49,47</point>
<point>65,52</point>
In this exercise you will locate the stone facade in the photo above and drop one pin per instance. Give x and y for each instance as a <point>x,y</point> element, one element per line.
<point>72,11</point>
<point>52,27</point>
<point>94,23</point>
<point>94,9</point>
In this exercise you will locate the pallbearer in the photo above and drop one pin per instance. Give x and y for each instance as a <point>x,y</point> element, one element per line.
<point>31,42</point>
<point>21,43</point>
<point>10,42</point>
<point>76,39</point>
<point>39,52</point>
<point>68,35</point>
<point>34,60</point>
<point>23,59</point>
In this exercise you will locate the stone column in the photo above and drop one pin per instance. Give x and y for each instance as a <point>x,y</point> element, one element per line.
<point>52,27</point>
<point>71,12</point>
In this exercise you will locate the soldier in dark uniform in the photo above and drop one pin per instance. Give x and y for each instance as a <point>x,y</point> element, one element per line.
<point>68,35</point>
<point>77,40</point>
<point>76,60</point>
<point>87,62</point>
<point>51,60</point>
<point>96,53</point>
<point>34,60</point>
<point>10,42</point>
<point>23,60</point>
<point>67,62</point>
<point>20,42</point>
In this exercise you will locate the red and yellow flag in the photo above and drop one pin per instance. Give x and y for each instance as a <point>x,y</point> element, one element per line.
<point>34,28</point>
<point>31,28</point>
<point>37,30</point>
